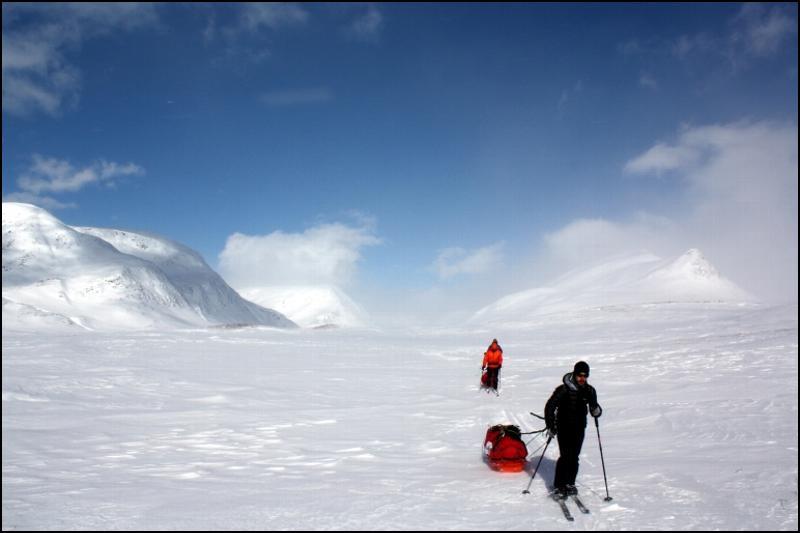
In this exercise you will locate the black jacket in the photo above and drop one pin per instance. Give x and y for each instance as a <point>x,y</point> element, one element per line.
<point>567,407</point>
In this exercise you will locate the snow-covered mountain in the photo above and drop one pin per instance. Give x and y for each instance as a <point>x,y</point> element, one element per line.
<point>105,278</point>
<point>310,306</point>
<point>628,280</point>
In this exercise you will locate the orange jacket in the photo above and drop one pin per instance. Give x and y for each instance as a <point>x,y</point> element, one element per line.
<point>493,357</point>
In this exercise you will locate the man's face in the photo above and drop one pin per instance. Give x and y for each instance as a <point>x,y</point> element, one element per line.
<point>580,379</point>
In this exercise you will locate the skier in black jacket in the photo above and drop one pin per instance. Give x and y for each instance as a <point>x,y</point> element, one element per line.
<point>565,416</point>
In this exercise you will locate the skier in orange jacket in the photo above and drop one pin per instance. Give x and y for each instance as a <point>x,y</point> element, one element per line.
<point>492,363</point>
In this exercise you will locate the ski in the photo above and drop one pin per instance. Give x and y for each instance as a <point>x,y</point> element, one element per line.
<point>579,503</point>
<point>564,509</point>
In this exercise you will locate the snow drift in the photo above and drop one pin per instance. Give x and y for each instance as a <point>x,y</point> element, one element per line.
<point>103,278</point>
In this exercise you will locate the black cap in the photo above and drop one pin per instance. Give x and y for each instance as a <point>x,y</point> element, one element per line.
<point>581,367</point>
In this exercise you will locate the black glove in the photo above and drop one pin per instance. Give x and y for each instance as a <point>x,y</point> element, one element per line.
<point>551,433</point>
<point>596,411</point>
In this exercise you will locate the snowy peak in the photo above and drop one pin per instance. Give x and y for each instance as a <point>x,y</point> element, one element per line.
<point>310,306</point>
<point>19,213</point>
<point>627,280</point>
<point>156,249</point>
<point>691,265</point>
<point>34,239</point>
<point>106,278</point>
<point>204,290</point>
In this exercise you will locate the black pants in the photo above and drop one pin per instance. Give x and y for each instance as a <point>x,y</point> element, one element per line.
<point>492,377</point>
<point>569,444</point>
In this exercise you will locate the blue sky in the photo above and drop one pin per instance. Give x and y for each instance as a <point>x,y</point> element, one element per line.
<point>426,149</point>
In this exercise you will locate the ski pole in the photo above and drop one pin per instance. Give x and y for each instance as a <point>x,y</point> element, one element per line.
<point>527,491</point>
<point>597,425</point>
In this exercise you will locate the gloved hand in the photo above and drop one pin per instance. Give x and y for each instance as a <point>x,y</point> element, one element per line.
<point>597,411</point>
<point>483,368</point>
<point>551,433</point>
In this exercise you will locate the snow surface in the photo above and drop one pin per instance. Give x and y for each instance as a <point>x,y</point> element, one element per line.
<point>110,279</point>
<point>261,428</point>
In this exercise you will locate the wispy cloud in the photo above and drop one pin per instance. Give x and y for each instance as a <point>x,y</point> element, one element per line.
<point>568,94</point>
<point>757,32</point>
<point>41,201</point>
<point>296,97</point>
<point>648,81</point>
<point>37,39</point>
<point>456,261</point>
<point>663,157</point>
<point>247,32</point>
<point>245,35</point>
<point>47,175</point>
<point>760,30</point>
<point>256,16</point>
<point>687,46</point>
<point>324,254</point>
<point>584,241</point>
<point>740,182</point>
<point>366,26</point>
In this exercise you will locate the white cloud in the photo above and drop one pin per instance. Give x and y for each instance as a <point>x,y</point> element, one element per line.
<point>456,261</point>
<point>662,157</point>
<point>737,185</point>
<point>325,254</point>
<point>740,181</point>
<point>48,175</point>
<point>37,76</point>
<point>585,241</point>
<point>52,175</point>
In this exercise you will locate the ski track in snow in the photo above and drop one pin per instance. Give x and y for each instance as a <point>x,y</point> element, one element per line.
<point>357,429</point>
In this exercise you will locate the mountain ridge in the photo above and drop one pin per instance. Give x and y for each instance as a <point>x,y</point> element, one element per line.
<point>634,279</point>
<point>106,278</point>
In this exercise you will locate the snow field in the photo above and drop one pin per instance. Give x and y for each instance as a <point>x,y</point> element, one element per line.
<point>362,429</point>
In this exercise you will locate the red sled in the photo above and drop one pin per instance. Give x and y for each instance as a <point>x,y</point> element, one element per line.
<point>503,449</point>
<point>485,380</point>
